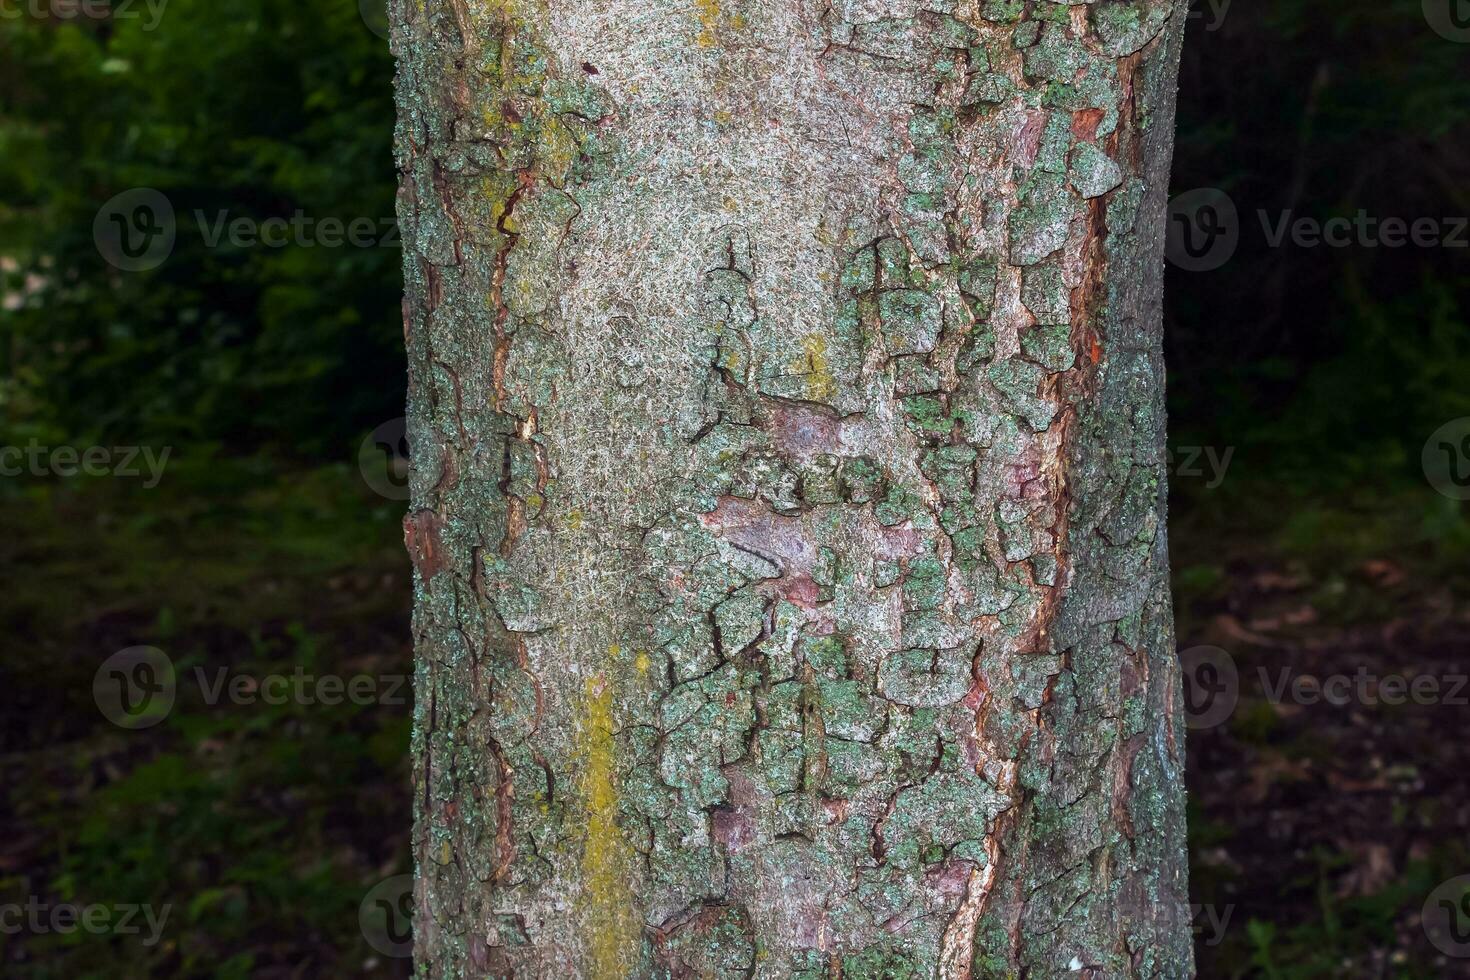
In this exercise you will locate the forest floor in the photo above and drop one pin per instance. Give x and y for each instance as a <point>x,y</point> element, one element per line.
<point>1317,830</point>
<point>1334,798</point>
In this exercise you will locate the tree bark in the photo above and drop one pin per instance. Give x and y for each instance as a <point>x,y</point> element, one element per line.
<point>787,422</point>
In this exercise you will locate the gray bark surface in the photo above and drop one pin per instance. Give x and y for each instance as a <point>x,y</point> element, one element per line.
<point>786,412</point>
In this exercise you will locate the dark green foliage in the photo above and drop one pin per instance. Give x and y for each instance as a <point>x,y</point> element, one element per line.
<point>1323,365</point>
<point>258,108</point>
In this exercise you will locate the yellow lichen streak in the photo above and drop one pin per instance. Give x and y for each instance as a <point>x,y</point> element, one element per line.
<point>612,927</point>
<point>819,381</point>
<point>709,21</point>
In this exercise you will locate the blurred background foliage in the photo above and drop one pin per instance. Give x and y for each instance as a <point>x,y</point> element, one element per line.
<point>1324,369</point>
<point>255,108</point>
<point>1327,365</point>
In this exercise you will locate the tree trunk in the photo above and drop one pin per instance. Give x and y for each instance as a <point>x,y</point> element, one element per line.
<point>786,411</point>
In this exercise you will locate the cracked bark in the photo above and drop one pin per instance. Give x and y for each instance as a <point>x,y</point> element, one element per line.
<point>787,423</point>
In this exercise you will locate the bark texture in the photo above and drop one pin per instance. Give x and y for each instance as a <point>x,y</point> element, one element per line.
<point>786,413</point>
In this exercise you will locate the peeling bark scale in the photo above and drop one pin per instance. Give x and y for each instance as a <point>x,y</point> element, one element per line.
<point>786,403</point>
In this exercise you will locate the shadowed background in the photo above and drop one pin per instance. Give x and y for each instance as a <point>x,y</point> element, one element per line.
<point>1306,536</point>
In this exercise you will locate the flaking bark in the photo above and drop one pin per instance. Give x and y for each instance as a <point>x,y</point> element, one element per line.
<point>786,411</point>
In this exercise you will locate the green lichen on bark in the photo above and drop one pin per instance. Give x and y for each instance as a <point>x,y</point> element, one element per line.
<point>786,413</point>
